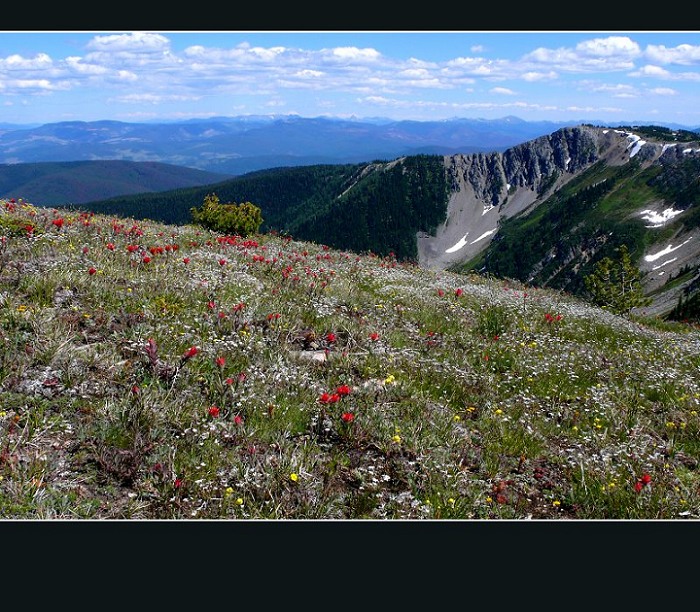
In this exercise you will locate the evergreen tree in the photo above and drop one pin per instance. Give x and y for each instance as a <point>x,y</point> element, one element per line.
<point>615,284</point>
<point>241,219</point>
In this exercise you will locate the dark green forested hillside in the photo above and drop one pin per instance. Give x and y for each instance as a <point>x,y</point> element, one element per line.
<point>385,210</point>
<point>375,206</point>
<point>274,191</point>
<point>76,182</point>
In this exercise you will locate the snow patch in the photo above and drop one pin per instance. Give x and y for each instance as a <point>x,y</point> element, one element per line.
<point>462,242</point>
<point>661,265</point>
<point>635,144</point>
<point>483,236</point>
<point>669,249</point>
<point>657,219</point>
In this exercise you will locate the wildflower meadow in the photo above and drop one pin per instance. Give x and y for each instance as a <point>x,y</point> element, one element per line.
<point>151,371</point>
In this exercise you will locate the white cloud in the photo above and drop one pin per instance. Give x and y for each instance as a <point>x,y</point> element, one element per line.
<point>39,84</point>
<point>599,54</point>
<point>502,91</point>
<point>661,73</point>
<point>612,46</point>
<point>16,62</point>
<point>682,54</point>
<point>618,90</point>
<point>653,71</point>
<point>353,53</point>
<point>141,42</point>
<point>533,76</point>
<point>304,74</point>
<point>663,91</point>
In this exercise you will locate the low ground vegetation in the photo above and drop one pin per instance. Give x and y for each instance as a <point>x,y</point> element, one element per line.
<point>153,371</point>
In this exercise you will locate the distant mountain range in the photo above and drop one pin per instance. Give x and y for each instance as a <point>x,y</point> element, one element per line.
<point>237,145</point>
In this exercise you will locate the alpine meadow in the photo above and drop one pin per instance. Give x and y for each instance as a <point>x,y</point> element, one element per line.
<point>170,371</point>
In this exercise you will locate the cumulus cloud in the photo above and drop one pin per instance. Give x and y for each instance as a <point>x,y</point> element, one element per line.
<point>653,71</point>
<point>156,71</point>
<point>598,54</point>
<point>355,54</point>
<point>612,46</point>
<point>141,42</point>
<point>41,61</point>
<point>682,54</point>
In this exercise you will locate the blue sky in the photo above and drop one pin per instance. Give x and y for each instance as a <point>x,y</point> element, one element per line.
<point>612,76</point>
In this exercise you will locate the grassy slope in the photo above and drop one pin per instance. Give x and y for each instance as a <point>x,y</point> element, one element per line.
<point>470,398</point>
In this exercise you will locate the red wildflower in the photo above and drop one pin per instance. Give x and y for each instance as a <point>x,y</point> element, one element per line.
<point>330,336</point>
<point>92,271</point>
<point>110,246</point>
<point>85,250</point>
<point>347,417</point>
<point>343,390</point>
<point>328,398</point>
<point>238,419</point>
<point>58,222</point>
<point>186,260</point>
<point>220,361</point>
<point>178,483</point>
<point>459,292</point>
<point>374,336</point>
<point>146,259</point>
<point>190,352</point>
<point>440,292</point>
<point>214,411</point>
<point>222,262</point>
<point>638,486</point>
<point>132,247</point>
<point>646,479</point>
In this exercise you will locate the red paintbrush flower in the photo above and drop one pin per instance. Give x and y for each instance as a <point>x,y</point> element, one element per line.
<point>189,353</point>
